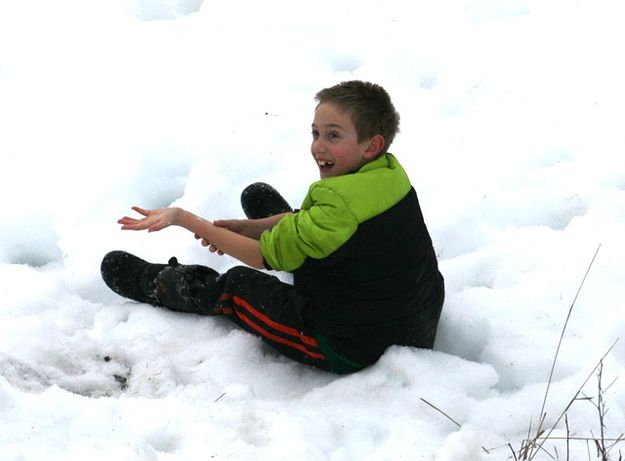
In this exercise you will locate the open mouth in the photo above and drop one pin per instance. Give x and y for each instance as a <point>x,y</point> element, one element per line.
<point>324,164</point>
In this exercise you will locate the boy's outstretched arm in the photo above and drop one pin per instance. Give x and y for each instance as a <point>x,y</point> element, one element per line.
<point>245,249</point>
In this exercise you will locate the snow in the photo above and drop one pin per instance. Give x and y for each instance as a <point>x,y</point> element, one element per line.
<point>512,133</point>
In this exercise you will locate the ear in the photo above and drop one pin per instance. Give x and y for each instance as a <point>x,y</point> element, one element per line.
<point>375,146</point>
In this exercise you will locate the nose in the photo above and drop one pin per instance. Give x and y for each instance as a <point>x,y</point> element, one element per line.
<point>317,146</point>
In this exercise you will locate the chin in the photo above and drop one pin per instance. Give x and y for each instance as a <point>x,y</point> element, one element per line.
<point>325,174</point>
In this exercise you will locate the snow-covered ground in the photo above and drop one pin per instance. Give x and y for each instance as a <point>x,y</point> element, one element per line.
<point>512,133</point>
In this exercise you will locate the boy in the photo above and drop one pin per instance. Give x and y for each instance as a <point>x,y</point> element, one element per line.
<point>365,273</point>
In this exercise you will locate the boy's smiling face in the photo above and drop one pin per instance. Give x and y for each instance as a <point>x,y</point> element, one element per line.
<point>335,145</point>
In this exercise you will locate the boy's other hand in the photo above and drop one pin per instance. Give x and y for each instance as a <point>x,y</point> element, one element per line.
<point>206,243</point>
<point>238,226</point>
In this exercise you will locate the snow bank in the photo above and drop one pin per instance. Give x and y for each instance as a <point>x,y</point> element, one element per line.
<point>511,133</point>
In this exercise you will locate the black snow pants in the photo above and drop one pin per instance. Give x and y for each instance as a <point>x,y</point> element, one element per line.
<point>269,308</point>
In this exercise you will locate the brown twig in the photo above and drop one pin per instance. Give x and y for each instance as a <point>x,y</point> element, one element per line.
<point>568,437</point>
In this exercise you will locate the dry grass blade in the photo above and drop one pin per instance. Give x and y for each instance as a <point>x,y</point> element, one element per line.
<point>441,412</point>
<point>621,438</point>
<point>582,439</point>
<point>535,448</point>
<point>548,436</point>
<point>566,322</point>
<point>446,416</point>
<point>532,447</point>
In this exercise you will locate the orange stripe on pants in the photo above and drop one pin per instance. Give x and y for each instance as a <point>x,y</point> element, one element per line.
<point>308,340</point>
<point>278,339</point>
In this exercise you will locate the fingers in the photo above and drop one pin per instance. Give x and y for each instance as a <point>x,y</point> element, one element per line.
<point>214,249</point>
<point>205,243</point>
<point>151,224</point>
<point>131,223</point>
<point>141,211</point>
<point>230,224</point>
<point>137,226</point>
<point>128,221</point>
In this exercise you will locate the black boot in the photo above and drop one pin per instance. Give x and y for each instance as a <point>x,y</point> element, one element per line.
<point>131,277</point>
<point>185,288</point>
<point>189,288</point>
<point>260,200</point>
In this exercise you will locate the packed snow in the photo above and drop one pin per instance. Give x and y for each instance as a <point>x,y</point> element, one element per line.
<point>511,131</point>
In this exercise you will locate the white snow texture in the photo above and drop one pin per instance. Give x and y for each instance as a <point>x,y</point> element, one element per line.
<point>511,131</point>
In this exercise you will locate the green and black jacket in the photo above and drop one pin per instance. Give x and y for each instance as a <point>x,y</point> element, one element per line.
<point>360,249</point>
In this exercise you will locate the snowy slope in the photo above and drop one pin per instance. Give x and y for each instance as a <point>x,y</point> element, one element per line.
<point>512,133</point>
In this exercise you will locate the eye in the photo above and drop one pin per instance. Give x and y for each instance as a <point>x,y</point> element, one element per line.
<point>315,134</point>
<point>333,135</point>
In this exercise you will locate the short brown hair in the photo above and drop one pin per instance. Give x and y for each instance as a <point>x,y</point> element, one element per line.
<point>370,105</point>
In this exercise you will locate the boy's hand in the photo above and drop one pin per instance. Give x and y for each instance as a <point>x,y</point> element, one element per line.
<point>153,220</point>
<point>211,248</point>
<point>238,226</point>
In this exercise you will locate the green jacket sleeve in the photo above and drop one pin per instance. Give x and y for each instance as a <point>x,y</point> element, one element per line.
<point>315,231</point>
<point>332,211</point>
